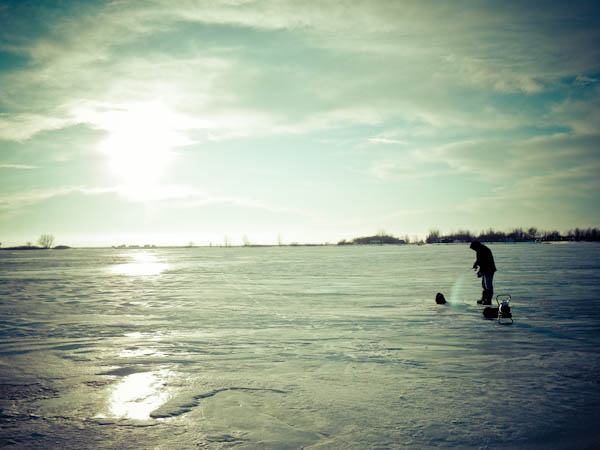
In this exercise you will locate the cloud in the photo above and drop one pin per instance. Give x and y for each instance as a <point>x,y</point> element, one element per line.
<point>534,199</point>
<point>386,169</point>
<point>583,80</point>
<point>535,193</point>
<point>21,127</point>
<point>552,152</point>
<point>484,158</point>
<point>581,115</point>
<point>184,197</point>
<point>496,76</point>
<point>158,196</point>
<point>386,141</point>
<point>224,86</point>
<point>389,137</point>
<point>524,201</point>
<point>18,166</point>
<point>511,157</point>
<point>24,198</point>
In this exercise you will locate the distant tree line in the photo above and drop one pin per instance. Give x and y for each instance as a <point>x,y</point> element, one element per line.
<point>516,235</point>
<point>45,241</point>
<point>531,234</point>
<point>378,239</point>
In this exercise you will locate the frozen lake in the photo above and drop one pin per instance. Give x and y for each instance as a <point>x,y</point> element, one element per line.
<point>298,347</point>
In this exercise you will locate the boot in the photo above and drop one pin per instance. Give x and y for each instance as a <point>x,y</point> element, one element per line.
<point>486,297</point>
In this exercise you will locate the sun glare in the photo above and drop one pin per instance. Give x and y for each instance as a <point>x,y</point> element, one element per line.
<point>144,264</point>
<point>140,143</point>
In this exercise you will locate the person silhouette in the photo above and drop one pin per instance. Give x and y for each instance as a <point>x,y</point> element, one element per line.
<point>487,268</point>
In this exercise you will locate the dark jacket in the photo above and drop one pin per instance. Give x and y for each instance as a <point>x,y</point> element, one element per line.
<point>485,260</point>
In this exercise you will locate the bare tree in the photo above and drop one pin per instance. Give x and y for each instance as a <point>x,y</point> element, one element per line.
<point>46,240</point>
<point>433,237</point>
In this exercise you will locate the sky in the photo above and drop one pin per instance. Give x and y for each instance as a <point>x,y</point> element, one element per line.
<point>160,122</point>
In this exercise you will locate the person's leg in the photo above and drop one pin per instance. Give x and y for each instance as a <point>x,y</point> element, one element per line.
<point>488,288</point>
<point>483,287</point>
<point>483,293</point>
<point>489,283</point>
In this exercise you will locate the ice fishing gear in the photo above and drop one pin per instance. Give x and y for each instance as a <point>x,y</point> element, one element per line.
<point>504,314</point>
<point>440,299</point>
<point>490,313</point>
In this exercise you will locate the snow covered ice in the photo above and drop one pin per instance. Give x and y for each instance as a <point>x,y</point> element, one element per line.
<point>298,347</point>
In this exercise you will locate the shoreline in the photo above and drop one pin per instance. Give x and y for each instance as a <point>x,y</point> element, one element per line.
<point>155,247</point>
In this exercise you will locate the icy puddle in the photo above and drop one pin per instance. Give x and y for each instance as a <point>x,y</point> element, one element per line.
<point>137,395</point>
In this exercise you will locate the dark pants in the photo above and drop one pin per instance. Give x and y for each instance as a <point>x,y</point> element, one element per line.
<point>488,288</point>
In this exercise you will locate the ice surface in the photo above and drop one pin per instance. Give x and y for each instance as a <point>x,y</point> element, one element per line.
<point>298,347</point>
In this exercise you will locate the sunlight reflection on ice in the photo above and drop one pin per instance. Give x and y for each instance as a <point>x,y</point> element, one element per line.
<point>157,336</point>
<point>138,394</point>
<point>141,352</point>
<point>145,264</point>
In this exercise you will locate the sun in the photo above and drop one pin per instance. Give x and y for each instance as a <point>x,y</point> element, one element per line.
<point>139,146</point>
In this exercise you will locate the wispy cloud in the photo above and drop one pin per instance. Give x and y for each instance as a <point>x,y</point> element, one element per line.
<point>21,199</point>
<point>159,196</point>
<point>18,166</point>
<point>400,168</point>
<point>482,157</point>
<point>21,127</point>
<point>487,74</point>
<point>184,197</point>
<point>581,115</point>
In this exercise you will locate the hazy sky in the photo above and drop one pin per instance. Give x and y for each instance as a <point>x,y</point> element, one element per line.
<point>143,122</point>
